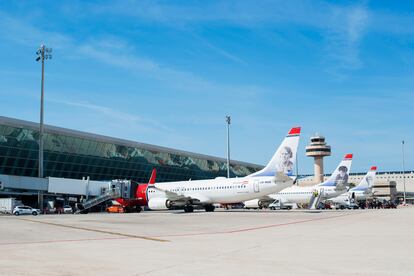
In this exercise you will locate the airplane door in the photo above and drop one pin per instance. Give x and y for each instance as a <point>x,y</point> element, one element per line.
<point>256,187</point>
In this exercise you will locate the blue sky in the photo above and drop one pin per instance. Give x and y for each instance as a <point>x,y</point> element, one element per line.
<point>167,73</point>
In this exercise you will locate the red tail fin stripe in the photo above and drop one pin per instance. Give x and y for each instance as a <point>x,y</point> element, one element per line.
<point>373,168</point>
<point>294,131</point>
<point>348,156</point>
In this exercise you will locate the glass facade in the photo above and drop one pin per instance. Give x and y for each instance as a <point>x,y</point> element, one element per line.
<point>72,154</point>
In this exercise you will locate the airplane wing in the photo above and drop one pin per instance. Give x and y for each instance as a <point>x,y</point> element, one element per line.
<point>181,197</point>
<point>267,198</point>
<point>173,196</point>
<point>262,202</point>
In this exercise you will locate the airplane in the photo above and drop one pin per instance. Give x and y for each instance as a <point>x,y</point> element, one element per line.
<point>272,178</point>
<point>135,204</point>
<point>334,186</point>
<point>359,192</point>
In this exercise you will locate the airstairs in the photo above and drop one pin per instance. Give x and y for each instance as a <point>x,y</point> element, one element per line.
<point>109,194</point>
<point>315,199</point>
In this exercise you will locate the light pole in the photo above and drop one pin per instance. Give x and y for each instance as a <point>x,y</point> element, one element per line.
<point>403,167</point>
<point>228,120</point>
<point>42,54</point>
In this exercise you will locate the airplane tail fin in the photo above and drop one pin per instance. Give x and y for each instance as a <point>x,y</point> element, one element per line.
<point>368,180</point>
<point>339,177</point>
<point>284,157</point>
<point>153,177</point>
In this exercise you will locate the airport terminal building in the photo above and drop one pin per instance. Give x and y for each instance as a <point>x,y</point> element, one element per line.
<point>71,155</point>
<point>76,155</point>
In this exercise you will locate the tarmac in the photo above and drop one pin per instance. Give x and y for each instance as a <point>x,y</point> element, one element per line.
<point>235,242</point>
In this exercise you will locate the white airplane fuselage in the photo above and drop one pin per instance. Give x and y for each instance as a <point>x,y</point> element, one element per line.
<point>332,187</point>
<point>220,190</point>
<point>271,179</point>
<point>302,195</point>
<point>357,195</point>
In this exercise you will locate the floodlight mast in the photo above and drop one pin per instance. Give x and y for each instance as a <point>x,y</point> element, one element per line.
<point>228,120</point>
<point>42,53</point>
<point>403,167</point>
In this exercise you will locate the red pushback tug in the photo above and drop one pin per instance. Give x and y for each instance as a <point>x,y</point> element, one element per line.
<point>141,199</point>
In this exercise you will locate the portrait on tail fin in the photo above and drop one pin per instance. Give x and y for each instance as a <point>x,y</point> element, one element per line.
<point>342,177</point>
<point>369,181</point>
<point>285,165</point>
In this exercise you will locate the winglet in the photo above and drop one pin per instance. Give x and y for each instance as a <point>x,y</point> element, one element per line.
<point>153,176</point>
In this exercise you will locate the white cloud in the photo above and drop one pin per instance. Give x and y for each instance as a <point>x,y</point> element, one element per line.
<point>117,115</point>
<point>357,22</point>
<point>220,51</point>
<point>343,41</point>
<point>18,31</point>
<point>117,58</point>
<point>181,80</point>
<point>112,50</point>
<point>342,26</point>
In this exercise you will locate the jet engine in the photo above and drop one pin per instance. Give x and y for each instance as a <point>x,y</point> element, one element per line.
<point>159,204</point>
<point>257,203</point>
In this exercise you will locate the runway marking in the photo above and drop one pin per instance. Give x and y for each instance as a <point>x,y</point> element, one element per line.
<point>252,228</point>
<point>61,241</point>
<point>98,231</point>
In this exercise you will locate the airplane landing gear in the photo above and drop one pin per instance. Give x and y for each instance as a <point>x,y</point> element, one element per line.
<point>209,208</point>
<point>188,208</point>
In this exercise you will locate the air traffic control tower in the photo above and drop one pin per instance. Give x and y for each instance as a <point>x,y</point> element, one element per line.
<point>318,149</point>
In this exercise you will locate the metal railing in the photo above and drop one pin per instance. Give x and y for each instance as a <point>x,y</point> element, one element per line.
<point>110,194</point>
